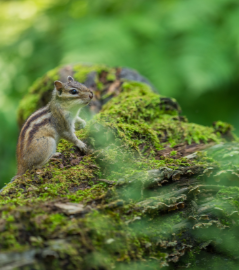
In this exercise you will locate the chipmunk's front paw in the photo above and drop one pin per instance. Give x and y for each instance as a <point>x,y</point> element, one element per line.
<point>82,146</point>
<point>80,124</point>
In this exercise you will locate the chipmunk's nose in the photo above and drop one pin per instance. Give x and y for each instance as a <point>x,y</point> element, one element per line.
<point>91,95</point>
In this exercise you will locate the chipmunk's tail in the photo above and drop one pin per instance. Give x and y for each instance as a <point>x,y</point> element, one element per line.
<point>20,171</point>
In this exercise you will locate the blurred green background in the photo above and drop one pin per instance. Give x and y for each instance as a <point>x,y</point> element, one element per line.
<point>188,49</point>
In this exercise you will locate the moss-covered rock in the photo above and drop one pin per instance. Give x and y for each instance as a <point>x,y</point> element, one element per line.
<point>145,196</point>
<point>103,80</point>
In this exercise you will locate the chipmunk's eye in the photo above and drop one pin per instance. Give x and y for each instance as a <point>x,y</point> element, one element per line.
<point>73,91</point>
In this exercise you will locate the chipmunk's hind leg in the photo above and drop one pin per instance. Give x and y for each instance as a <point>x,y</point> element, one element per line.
<point>42,150</point>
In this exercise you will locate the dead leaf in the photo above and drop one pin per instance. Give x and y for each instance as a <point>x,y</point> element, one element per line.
<point>71,208</point>
<point>76,161</point>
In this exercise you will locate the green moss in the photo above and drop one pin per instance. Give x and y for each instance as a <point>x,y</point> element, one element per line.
<point>140,115</point>
<point>229,192</point>
<point>90,194</point>
<point>136,103</point>
<point>28,105</point>
<point>134,127</point>
<point>9,241</point>
<point>173,153</point>
<point>111,76</point>
<point>130,213</point>
<point>223,127</point>
<point>54,73</point>
<point>81,71</point>
<point>49,223</point>
<point>59,185</point>
<point>130,131</point>
<point>45,83</point>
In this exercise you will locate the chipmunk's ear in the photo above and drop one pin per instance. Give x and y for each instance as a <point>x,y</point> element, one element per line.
<point>58,86</point>
<point>70,79</point>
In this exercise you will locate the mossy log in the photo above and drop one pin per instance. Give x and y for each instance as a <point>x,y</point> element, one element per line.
<point>153,190</point>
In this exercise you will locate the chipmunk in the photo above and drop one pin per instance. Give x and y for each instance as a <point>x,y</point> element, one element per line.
<point>42,131</point>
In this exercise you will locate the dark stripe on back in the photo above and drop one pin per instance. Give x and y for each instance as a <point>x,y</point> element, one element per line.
<point>27,124</point>
<point>35,129</point>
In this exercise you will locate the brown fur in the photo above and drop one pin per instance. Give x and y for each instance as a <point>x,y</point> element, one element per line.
<point>36,128</point>
<point>26,126</point>
<point>41,132</point>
